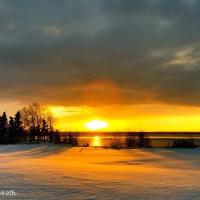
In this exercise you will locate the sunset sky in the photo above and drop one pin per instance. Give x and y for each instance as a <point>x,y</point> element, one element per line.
<point>132,64</point>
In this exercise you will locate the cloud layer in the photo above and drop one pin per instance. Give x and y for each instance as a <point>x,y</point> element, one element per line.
<point>99,51</point>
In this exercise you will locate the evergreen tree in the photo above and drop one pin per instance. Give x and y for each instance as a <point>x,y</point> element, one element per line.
<point>4,121</point>
<point>17,120</point>
<point>4,127</point>
<point>18,126</point>
<point>12,131</point>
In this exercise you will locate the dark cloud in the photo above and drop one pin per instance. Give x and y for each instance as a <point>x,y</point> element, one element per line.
<point>51,50</point>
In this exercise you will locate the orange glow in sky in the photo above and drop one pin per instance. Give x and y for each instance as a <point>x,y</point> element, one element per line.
<point>152,117</point>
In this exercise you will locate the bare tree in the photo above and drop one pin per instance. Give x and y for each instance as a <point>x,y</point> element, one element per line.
<point>33,117</point>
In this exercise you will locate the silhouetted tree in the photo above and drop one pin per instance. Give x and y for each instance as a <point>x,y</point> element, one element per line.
<point>56,138</point>
<point>17,121</point>
<point>184,143</point>
<point>137,140</point>
<point>116,142</point>
<point>12,131</point>
<point>38,121</point>
<point>44,131</point>
<point>4,121</point>
<point>143,140</point>
<point>18,126</point>
<point>131,140</point>
<point>72,139</point>
<point>4,128</point>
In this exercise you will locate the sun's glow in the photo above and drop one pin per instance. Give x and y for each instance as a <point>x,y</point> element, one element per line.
<point>145,117</point>
<point>96,141</point>
<point>96,125</point>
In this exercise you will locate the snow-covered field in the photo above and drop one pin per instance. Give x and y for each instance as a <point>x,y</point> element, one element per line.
<point>57,172</point>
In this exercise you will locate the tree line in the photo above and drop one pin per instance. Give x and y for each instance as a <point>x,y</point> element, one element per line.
<point>33,123</point>
<point>132,140</point>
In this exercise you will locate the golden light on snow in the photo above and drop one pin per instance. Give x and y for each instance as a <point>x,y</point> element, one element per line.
<point>96,125</point>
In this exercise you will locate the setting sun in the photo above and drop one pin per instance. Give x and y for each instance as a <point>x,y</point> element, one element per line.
<point>96,125</point>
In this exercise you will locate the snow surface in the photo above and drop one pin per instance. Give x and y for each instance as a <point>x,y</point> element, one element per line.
<point>56,172</point>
